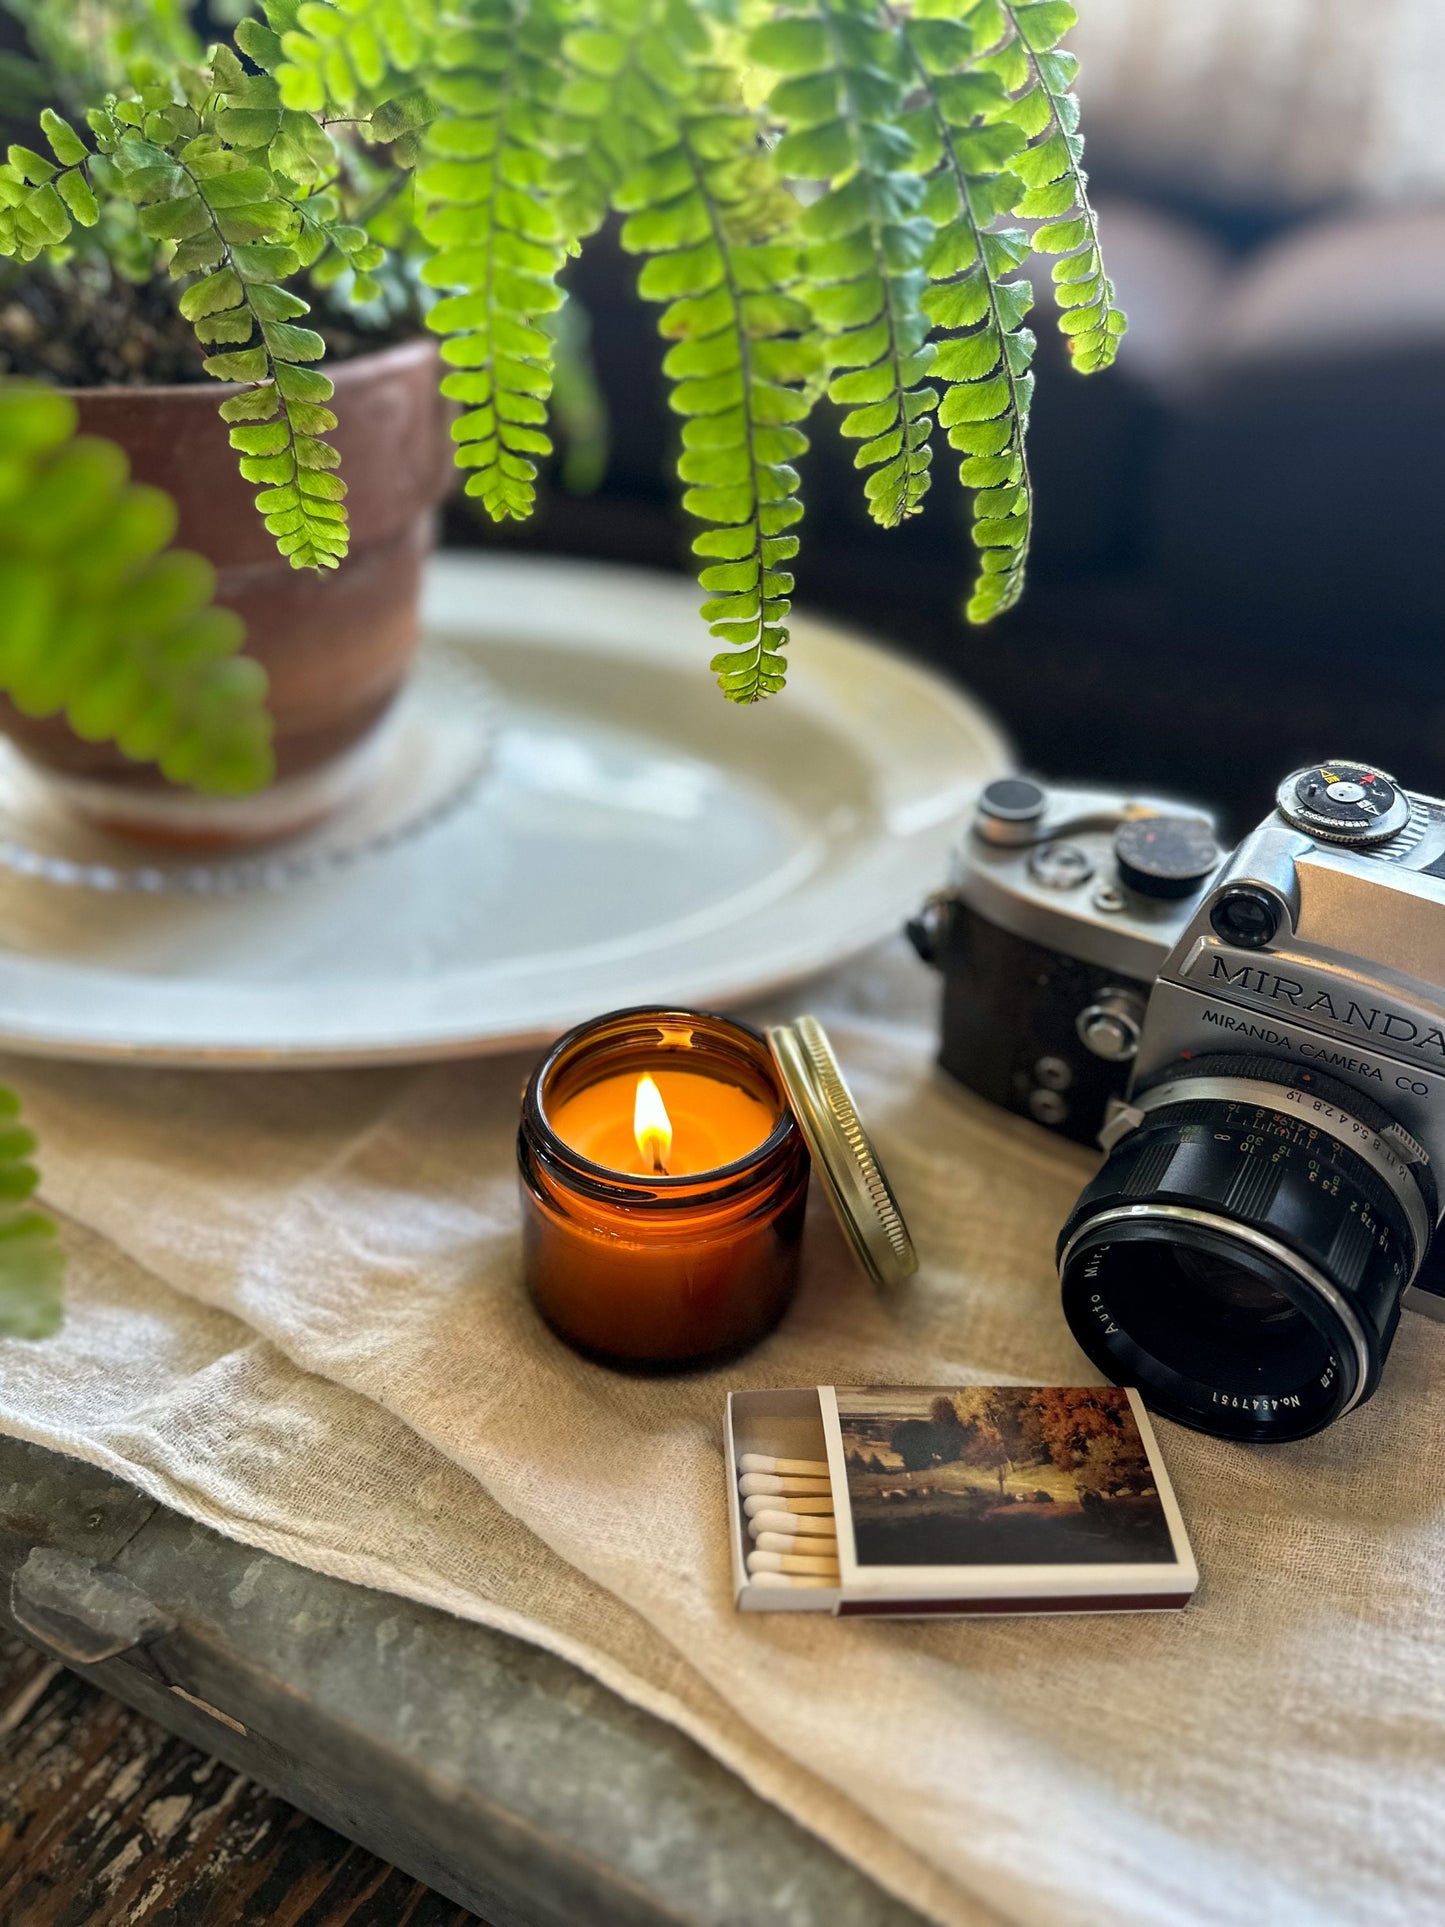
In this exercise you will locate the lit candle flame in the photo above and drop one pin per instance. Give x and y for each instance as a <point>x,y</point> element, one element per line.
<point>651,1126</point>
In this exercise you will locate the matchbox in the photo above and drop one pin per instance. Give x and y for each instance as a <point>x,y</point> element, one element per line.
<point>899,1501</point>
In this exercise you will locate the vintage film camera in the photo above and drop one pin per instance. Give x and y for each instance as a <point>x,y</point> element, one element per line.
<point>1258,1042</point>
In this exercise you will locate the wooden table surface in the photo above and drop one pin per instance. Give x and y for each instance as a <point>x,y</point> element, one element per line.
<point>107,1820</point>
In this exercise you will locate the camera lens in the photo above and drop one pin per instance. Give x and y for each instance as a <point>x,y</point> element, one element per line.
<point>1246,917</point>
<point>1241,1255</point>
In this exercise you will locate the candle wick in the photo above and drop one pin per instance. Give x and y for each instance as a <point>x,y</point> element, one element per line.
<point>659,1168</point>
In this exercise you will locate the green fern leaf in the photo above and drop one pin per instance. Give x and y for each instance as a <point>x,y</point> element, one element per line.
<point>189,155</point>
<point>104,622</point>
<point>968,145</point>
<point>841,98</point>
<point>710,211</point>
<point>201,180</point>
<point>348,57</point>
<point>488,197</point>
<point>32,1264</point>
<point>42,202</point>
<point>1050,171</point>
<point>631,65</point>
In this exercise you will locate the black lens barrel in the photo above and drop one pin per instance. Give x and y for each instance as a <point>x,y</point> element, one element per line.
<point>1240,1265</point>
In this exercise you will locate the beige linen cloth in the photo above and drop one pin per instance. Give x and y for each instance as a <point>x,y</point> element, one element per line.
<point>295,1315</point>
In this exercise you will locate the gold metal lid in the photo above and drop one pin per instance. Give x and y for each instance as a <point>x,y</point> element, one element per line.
<point>842,1151</point>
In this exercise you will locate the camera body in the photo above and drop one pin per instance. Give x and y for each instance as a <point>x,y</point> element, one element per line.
<point>1056,922</point>
<point>1257,1040</point>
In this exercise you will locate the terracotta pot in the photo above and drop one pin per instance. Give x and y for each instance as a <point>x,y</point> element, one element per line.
<point>337,646</point>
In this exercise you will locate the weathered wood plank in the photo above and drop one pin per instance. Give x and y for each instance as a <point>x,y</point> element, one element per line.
<point>495,1772</point>
<point>108,1820</point>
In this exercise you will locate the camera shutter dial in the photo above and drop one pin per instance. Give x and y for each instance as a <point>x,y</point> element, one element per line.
<point>1344,803</point>
<point>1165,856</point>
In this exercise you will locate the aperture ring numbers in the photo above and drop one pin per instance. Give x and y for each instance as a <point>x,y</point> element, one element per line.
<point>1367,1144</point>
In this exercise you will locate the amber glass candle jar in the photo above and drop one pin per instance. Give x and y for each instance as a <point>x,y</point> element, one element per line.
<point>661,1267</point>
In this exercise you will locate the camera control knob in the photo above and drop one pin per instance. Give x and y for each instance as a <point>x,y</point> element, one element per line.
<point>1061,866</point>
<point>1344,803</point>
<point>926,931</point>
<point>1165,856</point>
<point>1110,1026</point>
<point>1009,808</point>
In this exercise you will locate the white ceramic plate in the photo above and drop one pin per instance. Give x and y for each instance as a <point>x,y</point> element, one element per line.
<point>634,839</point>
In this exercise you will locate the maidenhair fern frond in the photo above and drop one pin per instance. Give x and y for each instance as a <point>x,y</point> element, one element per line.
<point>717,225</point>
<point>106,624</point>
<point>968,145</point>
<point>42,201</point>
<point>487,191</point>
<point>632,64</point>
<point>349,56</point>
<point>231,229</point>
<point>865,206</point>
<point>841,102</point>
<point>1039,75</point>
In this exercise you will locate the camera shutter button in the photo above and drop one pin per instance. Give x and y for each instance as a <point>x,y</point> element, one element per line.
<point>1012,799</point>
<point>1009,810</point>
<point>1110,1027</point>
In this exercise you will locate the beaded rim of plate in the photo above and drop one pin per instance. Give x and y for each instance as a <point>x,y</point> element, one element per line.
<point>419,767</point>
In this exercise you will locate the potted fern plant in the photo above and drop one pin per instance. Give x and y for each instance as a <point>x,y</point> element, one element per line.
<point>827,196</point>
<point>100,295</point>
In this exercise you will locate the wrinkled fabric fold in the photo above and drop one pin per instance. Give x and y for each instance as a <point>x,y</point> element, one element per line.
<point>313,1278</point>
